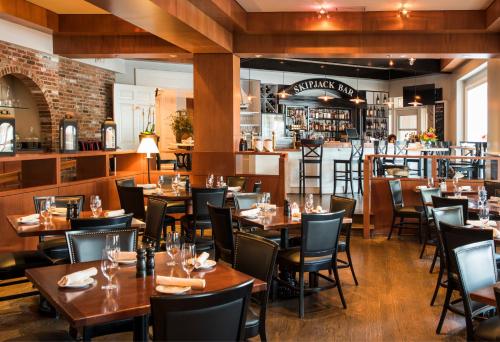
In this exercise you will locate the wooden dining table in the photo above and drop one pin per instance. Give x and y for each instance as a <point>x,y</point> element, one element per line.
<point>57,226</point>
<point>130,300</point>
<point>275,220</point>
<point>486,295</point>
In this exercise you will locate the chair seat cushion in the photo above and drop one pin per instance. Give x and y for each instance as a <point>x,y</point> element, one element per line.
<point>410,211</point>
<point>176,207</point>
<point>13,264</point>
<point>56,248</point>
<point>488,330</point>
<point>292,256</point>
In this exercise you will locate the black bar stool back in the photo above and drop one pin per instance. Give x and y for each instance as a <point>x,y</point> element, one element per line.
<point>312,153</point>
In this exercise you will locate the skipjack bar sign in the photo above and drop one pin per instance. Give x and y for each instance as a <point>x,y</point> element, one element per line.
<point>335,86</point>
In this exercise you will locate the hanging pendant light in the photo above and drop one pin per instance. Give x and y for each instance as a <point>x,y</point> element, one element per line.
<point>415,102</point>
<point>283,94</point>
<point>249,97</point>
<point>387,100</point>
<point>357,99</point>
<point>325,97</point>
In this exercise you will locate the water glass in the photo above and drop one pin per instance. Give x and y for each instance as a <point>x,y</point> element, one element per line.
<point>484,215</point>
<point>173,245</point>
<point>113,242</point>
<point>188,255</point>
<point>210,181</point>
<point>53,206</point>
<point>430,182</point>
<point>45,210</point>
<point>174,185</point>
<point>95,205</point>
<point>482,195</point>
<point>109,267</point>
<point>160,184</point>
<point>309,203</point>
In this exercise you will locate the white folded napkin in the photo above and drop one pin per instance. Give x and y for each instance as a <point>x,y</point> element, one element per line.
<point>114,213</point>
<point>77,277</point>
<point>250,212</point>
<point>421,186</point>
<point>458,197</point>
<point>125,256</point>
<point>147,186</point>
<point>494,199</point>
<point>29,218</point>
<point>477,223</point>
<point>466,188</point>
<point>234,188</point>
<point>200,260</point>
<point>194,283</point>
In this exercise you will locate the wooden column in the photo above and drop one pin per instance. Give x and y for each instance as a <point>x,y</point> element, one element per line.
<point>216,119</point>
<point>493,105</point>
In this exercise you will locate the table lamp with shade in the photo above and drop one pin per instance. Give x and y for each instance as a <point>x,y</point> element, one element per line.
<point>148,146</point>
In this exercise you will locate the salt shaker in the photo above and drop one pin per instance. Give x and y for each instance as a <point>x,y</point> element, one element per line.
<point>141,263</point>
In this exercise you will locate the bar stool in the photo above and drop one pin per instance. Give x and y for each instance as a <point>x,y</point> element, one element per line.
<point>312,153</point>
<point>357,156</point>
<point>344,174</point>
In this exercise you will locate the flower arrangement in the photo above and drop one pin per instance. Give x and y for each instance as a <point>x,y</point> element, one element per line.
<point>181,125</point>
<point>429,135</point>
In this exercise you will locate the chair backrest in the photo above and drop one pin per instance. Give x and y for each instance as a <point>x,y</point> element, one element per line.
<point>84,245</point>
<point>439,202</point>
<point>257,187</point>
<point>497,297</point>
<point>312,150</point>
<point>492,187</point>
<point>202,196</point>
<point>213,316</point>
<point>61,201</point>
<point>237,181</point>
<point>155,220</point>
<point>338,203</point>
<point>320,234</point>
<point>129,182</point>
<point>246,200</point>
<point>457,236</point>
<point>132,201</point>
<point>477,268</point>
<point>222,231</point>
<point>357,149</point>
<point>90,223</point>
<point>451,215</point>
<point>426,197</point>
<point>396,194</point>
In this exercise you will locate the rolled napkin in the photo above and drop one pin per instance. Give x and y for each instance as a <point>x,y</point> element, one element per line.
<point>29,218</point>
<point>234,188</point>
<point>200,260</point>
<point>77,277</point>
<point>421,187</point>
<point>114,213</point>
<point>194,283</point>
<point>125,256</point>
<point>250,212</point>
<point>147,186</point>
<point>477,223</point>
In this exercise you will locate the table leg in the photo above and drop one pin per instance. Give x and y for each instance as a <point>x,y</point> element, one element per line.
<point>284,238</point>
<point>141,328</point>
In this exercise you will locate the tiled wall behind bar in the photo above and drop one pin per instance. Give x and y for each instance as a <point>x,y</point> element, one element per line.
<point>67,86</point>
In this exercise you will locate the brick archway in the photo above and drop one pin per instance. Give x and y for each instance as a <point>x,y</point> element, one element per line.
<point>44,109</point>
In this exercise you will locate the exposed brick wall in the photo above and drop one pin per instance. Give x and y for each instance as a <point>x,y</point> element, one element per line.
<point>61,86</point>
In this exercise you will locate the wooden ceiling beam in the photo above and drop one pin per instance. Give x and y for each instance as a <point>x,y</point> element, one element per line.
<point>450,64</point>
<point>478,45</point>
<point>177,21</point>
<point>96,24</point>
<point>228,13</point>
<point>419,21</point>
<point>145,46</point>
<point>27,14</point>
<point>493,16</point>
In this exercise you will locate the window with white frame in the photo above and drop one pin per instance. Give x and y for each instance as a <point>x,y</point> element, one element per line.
<point>476,111</point>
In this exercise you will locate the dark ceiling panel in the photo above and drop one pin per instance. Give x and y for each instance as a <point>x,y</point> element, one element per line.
<point>368,68</point>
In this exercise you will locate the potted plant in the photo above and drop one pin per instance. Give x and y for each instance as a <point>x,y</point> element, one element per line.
<point>182,126</point>
<point>429,136</point>
<point>150,127</point>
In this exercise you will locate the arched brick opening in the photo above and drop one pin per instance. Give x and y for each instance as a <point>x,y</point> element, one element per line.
<point>32,84</point>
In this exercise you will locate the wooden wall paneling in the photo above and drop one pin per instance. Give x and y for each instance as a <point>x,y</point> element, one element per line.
<point>39,172</point>
<point>91,167</point>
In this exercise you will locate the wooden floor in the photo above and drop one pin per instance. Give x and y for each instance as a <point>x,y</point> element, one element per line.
<point>390,303</point>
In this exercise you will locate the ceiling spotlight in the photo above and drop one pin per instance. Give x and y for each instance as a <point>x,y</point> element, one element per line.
<point>391,62</point>
<point>322,12</point>
<point>403,11</point>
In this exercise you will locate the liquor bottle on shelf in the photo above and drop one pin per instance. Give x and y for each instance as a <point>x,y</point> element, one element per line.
<point>378,99</point>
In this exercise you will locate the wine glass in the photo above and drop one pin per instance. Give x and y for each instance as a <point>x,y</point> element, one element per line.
<point>160,184</point>
<point>95,205</point>
<point>45,207</point>
<point>482,194</point>
<point>113,242</point>
<point>430,182</point>
<point>53,206</point>
<point>309,203</point>
<point>484,215</point>
<point>188,255</point>
<point>173,244</point>
<point>109,267</point>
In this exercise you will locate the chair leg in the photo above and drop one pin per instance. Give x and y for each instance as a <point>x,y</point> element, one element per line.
<point>438,285</point>
<point>434,259</point>
<point>420,229</point>
<point>392,226</point>
<point>348,252</point>
<point>334,178</point>
<point>401,222</point>
<point>339,287</point>
<point>350,179</point>
<point>262,331</point>
<point>301,296</point>
<point>449,290</point>
<point>427,238</point>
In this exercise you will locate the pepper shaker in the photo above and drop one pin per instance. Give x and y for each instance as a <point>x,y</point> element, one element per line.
<point>188,185</point>
<point>150,260</point>
<point>68,211</point>
<point>75,209</point>
<point>141,263</point>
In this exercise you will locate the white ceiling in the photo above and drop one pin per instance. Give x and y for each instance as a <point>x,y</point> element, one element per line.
<point>69,6</point>
<point>358,5</point>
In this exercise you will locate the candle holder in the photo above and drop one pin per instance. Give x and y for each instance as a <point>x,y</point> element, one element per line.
<point>7,133</point>
<point>108,135</point>
<point>68,135</point>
